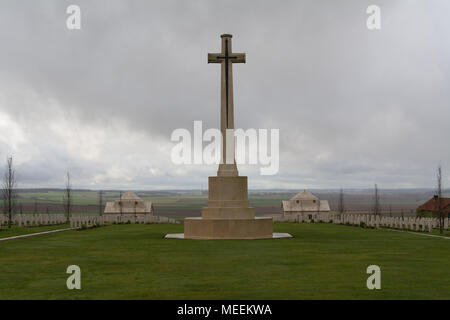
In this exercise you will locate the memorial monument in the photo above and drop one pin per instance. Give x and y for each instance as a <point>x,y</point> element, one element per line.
<point>228,215</point>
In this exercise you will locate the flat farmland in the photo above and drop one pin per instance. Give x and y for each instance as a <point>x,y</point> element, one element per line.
<point>180,203</point>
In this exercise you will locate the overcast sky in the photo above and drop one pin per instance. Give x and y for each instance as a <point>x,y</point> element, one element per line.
<point>353,106</point>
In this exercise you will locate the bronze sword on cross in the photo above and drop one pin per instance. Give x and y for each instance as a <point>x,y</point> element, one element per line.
<point>227,58</point>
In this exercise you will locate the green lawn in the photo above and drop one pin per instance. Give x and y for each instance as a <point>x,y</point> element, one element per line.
<point>6,232</point>
<point>323,261</point>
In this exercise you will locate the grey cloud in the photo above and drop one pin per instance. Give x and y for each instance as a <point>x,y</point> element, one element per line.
<point>352,106</point>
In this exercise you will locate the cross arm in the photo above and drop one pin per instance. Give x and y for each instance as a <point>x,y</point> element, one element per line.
<point>238,58</point>
<point>214,58</point>
<point>219,57</point>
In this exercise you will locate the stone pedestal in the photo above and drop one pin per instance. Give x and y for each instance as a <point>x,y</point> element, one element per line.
<point>208,229</point>
<point>228,215</point>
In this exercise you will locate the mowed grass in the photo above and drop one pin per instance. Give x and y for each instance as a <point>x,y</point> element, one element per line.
<point>15,230</point>
<point>322,261</point>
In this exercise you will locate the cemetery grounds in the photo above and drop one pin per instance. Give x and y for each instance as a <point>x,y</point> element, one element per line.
<point>322,261</point>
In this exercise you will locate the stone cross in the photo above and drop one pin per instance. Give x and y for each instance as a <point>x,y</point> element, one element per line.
<point>226,58</point>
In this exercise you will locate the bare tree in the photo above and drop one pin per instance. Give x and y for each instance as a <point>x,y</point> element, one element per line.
<point>9,191</point>
<point>376,205</point>
<point>438,203</point>
<point>100,202</point>
<point>67,198</point>
<point>35,209</point>
<point>120,203</point>
<point>341,207</point>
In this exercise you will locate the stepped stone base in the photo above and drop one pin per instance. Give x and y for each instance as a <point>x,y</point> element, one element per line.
<point>276,235</point>
<point>228,215</point>
<point>256,228</point>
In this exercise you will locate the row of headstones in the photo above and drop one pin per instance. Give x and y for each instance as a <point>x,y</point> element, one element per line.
<point>78,221</point>
<point>409,223</point>
<point>29,220</point>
